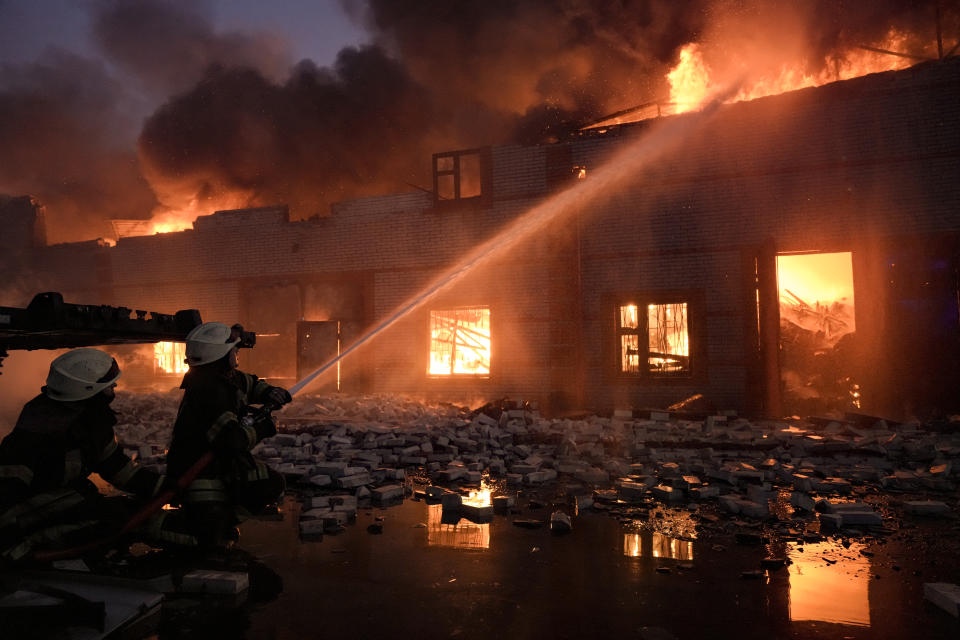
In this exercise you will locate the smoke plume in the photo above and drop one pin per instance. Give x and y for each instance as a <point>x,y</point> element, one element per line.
<point>229,120</point>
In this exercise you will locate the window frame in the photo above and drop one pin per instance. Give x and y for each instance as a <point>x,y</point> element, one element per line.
<point>484,156</point>
<point>695,336</point>
<point>429,343</point>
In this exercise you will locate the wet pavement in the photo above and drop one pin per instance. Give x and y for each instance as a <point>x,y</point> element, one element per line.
<point>649,577</point>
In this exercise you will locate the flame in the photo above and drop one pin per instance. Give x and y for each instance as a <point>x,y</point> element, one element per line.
<point>692,80</point>
<point>689,80</point>
<point>181,218</point>
<point>169,357</point>
<point>479,497</point>
<point>460,342</point>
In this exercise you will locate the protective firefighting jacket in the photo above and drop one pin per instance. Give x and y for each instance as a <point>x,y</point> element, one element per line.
<point>45,495</point>
<point>210,417</point>
<point>55,444</point>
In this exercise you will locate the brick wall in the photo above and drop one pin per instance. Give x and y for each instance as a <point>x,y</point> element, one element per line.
<point>824,168</point>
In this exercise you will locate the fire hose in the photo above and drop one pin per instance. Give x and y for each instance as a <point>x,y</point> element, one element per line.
<point>144,512</point>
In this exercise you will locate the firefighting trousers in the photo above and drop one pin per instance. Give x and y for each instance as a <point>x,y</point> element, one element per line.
<point>214,506</point>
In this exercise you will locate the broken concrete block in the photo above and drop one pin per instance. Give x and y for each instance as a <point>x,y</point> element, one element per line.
<point>759,493</point>
<point>802,501</point>
<point>667,494</point>
<point>669,470</point>
<point>560,522</point>
<point>476,513</point>
<point>926,508</point>
<point>332,469</point>
<point>834,485</point>
<point>387,493</point>
<point>344,501</point>
<point>583,502</point>
<point>362,493</point>
<point>451,473</point>
<point>753,509</point>
<point>451,501</point>
<point>632,490</point>
<point>317,502</point>
<point>730,503</point>
<point>320,480</point>
<point>944,595</point>
<point>353,481</point>
<point>705,493</point>
<point>208,581</point>
<point>316,512</point>
<point>503,503</point>
<point>311,528</point>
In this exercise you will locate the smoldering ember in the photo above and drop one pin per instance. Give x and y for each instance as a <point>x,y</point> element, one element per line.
<point>678,361</point>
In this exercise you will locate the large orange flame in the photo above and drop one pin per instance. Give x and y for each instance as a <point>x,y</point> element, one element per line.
<point>692,80</point>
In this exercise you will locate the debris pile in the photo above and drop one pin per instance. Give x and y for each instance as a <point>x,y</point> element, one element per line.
<point>794,477</point>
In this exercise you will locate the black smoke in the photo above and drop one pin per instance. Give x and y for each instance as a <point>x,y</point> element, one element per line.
<point>65,138</point>
<point>210,116</point>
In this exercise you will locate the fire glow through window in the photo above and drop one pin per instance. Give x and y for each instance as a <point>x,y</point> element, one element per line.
<point>667,340</point>
<point>169,357</point>
<point>460,342</point>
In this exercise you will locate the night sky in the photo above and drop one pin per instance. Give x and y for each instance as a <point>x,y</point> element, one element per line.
<point>315,29</point>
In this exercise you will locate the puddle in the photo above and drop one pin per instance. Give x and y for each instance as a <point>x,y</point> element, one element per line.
<point>656,545</point>
<point>452,531</point>
<point>666,534</point>
<point>455,532</point>
<point>829,583</point>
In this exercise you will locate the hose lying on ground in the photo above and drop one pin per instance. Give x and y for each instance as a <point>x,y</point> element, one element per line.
<point>136,519</point>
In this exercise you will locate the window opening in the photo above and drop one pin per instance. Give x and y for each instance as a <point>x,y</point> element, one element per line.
<point>668,338</point>
<point>458,175</point>
<point>817,329</point>
<point>628,328</point>
<point>460,342</point>
<point>168,358</point>
<point>664,334</point>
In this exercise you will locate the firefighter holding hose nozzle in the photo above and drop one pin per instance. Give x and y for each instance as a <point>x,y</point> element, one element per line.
<point>215,416</point>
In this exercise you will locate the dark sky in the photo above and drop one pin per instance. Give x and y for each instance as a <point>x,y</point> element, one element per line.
<point>315,29</point>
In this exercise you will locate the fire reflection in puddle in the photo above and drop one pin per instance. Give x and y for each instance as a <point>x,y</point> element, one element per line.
<point>829,583</point>
<point>668,534</point>
<point>656,545</point>
<point>448,529</point>
<point>454,531</point>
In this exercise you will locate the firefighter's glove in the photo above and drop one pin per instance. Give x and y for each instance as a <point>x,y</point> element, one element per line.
<point>264,426</point>
<point>278,396</point>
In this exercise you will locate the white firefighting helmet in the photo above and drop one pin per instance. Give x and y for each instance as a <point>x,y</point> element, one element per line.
<point>80,374</point>
<point>208,343</point>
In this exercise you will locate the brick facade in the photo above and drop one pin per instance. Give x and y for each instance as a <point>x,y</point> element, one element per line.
<point>850,166</point>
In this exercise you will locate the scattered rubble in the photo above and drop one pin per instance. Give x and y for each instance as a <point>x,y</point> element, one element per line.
<point>748,480</point>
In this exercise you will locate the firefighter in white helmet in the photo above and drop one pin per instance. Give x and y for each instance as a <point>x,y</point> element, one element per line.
<point>62,436</point>
<point>217,396</point>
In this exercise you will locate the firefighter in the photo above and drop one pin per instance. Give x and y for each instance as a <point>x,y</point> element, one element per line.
<point>62,436</point>
<point>215,414</point>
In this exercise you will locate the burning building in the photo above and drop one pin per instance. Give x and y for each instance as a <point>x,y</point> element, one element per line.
<point>792,253</point>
